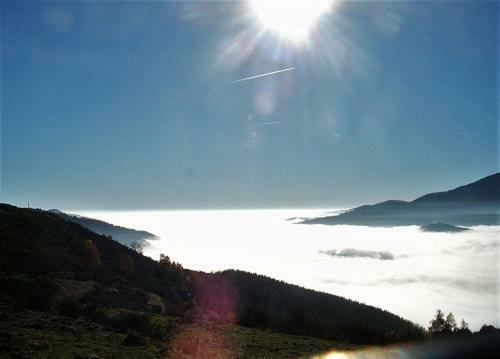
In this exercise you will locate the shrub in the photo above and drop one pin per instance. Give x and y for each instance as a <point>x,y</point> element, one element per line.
<point>96,314</point>
<point>70,307</point>
<point>125,321</point>
<point>27,293</point>
<point>134,339</point>
<point>156,309</point>
<point>126,265</point>
<point>162,329</point>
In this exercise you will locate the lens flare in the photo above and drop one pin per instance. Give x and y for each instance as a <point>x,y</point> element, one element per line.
<point>336,355</point>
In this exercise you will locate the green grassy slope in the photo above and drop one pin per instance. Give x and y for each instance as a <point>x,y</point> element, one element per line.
<point>39,335</point>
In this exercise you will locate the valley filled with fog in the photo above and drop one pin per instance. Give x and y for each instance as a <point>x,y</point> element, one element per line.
<point>401,269</point>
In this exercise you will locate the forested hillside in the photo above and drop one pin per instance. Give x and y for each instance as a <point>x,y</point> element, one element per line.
<point>263,302</point>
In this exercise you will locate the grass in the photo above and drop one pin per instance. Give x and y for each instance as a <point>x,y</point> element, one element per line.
<point>213,340</point>
<point>30,334</point>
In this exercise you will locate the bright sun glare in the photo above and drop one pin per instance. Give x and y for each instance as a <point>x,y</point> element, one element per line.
<point>292,20</point>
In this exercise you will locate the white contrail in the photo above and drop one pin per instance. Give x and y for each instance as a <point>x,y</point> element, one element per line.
<point>262,75</point>
<point>267,123</point>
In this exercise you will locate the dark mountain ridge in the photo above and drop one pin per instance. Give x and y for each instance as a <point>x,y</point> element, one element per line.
<point>263,302</point>
<point>123,235</point>
<point>476,203</point>
<point>485,190</point>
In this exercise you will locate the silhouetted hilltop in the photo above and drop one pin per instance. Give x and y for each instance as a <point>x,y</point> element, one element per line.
<point>443,227</point>
<point>263,302</point>
<point>485,190</point>
<point>123,235</point>
<point>473,204</point>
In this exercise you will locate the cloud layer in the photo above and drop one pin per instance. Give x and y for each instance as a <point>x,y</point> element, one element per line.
<point>478,285</point>
<point>359,253</point>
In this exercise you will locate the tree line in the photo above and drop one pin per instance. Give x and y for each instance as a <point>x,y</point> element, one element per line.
<point>446,326</point>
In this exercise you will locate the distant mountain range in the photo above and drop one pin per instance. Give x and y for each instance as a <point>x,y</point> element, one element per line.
<point>476,203</point>
<point>127,236</point>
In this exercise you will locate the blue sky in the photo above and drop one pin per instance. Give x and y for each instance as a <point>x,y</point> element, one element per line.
<point>131,105</point>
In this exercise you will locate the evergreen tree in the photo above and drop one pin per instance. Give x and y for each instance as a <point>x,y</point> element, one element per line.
<point>437,325</point>
<point>450,324</point>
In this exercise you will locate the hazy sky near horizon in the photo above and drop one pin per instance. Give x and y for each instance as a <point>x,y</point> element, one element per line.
<point>133,105</point>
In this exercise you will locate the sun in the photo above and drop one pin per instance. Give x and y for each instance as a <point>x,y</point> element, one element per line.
<point>291,19</point>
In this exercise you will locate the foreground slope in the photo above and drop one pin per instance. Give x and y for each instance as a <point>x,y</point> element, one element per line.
<point>36,242</point>
<point>476,203</point>
<point>41,335</point>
